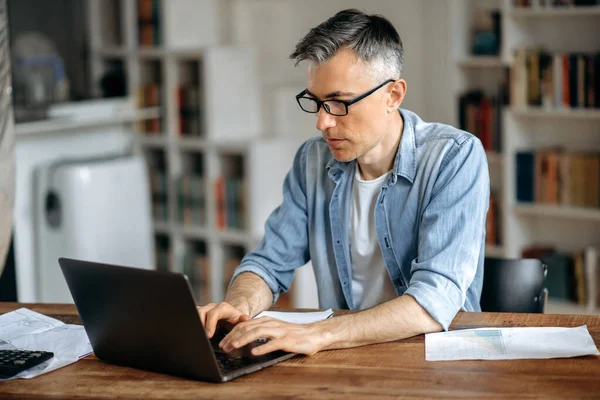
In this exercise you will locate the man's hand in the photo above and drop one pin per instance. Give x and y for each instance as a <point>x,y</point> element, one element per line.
<point>293,338</point>
<point>212,313</point>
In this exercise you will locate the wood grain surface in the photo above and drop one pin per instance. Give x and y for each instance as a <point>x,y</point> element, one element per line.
<point>391,370</point>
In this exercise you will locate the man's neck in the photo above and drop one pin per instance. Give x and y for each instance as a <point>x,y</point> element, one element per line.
<point>388,147</point>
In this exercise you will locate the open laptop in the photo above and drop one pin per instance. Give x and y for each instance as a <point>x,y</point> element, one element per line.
<point>148,319</point>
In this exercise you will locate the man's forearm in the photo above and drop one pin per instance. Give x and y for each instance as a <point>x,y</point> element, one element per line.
<point>397,319</point>
<point>250,294</point>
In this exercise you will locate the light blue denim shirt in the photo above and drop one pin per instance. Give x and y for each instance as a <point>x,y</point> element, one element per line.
<point>429,217</point>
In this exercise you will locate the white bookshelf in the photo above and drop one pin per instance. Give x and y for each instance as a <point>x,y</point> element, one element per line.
<point>230,135</point>
<point>494,251</point>
<point>558,212</point>
<point>561,114</point>
<point>235,237</point>
<point>556,12</point>
<point>556,306</point>
<point>495,158</point>
<point>192,144</point>
<point>480,62</point>
<point>193,232</point>
<point>152,142</point>
<point>528,128</point>
<point>59,125</point>
<point>161,228</point>
<point>113,52</point>
<point>481,72</point>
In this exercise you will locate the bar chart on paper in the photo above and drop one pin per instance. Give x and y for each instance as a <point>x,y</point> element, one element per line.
<point>468,344</point>
<point>509,343</point>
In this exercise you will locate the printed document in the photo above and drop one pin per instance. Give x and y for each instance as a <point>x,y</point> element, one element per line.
<point>298,317</point>
<point>28,330</point>
<point>509,344</point>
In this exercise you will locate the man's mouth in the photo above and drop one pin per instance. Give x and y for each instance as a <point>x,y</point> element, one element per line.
<point>333,141</point>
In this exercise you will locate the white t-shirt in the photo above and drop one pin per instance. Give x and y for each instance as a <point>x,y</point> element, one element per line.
<point>371,283</point>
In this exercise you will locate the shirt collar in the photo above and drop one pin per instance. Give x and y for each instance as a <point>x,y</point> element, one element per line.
<point>404,164</point>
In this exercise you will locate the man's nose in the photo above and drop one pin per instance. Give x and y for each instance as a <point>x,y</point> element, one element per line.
<point>325,120</point>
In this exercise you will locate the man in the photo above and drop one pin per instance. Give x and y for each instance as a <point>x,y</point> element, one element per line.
<point>390,209</point>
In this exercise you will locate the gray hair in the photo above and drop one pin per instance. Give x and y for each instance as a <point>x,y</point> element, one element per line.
<point>372,37</point>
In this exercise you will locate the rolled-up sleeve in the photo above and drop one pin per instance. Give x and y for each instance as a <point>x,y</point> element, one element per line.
<point>451,232</point>
<point>284,246</point>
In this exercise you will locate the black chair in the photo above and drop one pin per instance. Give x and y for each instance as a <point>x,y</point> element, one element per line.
<point>514,285</point>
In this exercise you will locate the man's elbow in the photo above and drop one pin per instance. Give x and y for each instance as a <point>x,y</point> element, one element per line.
<point>422,321</point>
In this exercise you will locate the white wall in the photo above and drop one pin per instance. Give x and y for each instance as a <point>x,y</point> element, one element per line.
<point>273,27</point>
<point>438,69</point>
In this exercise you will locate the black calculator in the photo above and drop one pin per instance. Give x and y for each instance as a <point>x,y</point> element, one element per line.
<point>14,361</point>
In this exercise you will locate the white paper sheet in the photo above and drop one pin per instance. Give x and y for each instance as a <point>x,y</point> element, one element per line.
<point>509,344</point>
<point>298,317</point>
<point>28,330</point>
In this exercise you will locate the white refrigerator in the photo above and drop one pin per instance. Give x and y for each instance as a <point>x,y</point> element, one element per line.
<point>96,210</point>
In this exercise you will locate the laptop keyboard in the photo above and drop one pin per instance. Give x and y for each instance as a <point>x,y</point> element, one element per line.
<point>229,363</point>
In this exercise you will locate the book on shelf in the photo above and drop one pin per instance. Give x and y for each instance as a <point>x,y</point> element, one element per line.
<point>158,188</point>
<point>492,223</point>
<point>159,209</point>
<point>555,80</point>
<point>162,253</point>
<point>189,269</point>
<point>230,199</point>
<point>579,278</point>
<point>592,275</point>
<point>233,259</point>
<point>559,177</point>
<point>229,267</point>
<point>219,193</point>
<point>149,22</point>
<point>525,178</point>
<point>203,269</point>
<point>196,267</point>
<point>571,276</point>
<point>149,95</point>
<point>191,195</point>
<point>163,259</point>
<point>481,115</point>
<point>189,111</point>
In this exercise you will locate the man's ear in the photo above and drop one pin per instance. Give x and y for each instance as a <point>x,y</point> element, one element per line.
<point>397,94</point>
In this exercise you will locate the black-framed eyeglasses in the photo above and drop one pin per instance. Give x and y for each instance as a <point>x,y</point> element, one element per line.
<point>338,108</point>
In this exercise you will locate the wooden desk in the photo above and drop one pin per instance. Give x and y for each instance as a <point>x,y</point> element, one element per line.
<point>391,370</point>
